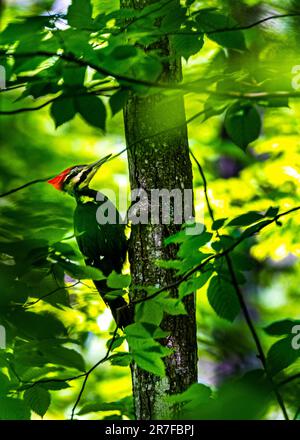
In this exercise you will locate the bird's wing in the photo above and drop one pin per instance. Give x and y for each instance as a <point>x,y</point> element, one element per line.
<point>103,245</point>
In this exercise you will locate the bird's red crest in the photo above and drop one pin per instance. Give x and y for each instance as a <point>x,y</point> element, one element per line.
<point>58,180</point>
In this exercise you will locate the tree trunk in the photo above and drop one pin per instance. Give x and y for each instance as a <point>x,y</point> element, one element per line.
<point>160,161</point>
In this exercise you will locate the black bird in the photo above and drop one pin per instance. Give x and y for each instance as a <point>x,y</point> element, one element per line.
<point>103,246</point>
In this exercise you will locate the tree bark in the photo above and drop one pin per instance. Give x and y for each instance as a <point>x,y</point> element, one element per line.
<point>158,157</point>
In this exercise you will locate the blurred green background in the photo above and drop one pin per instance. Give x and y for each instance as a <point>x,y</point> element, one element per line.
<point>268,174</point>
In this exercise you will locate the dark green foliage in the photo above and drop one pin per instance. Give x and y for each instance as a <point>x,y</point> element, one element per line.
<point>199,402</point>
<point>223,299</point>
<point>281,355</point>
<point>243,124</point>
<point>38,399</point>
<point>99,59</point>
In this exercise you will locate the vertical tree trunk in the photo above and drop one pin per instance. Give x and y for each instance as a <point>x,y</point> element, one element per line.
<point>160,161</point>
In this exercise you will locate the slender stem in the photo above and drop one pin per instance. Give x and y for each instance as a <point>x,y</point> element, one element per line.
<point>243,305</point>
<point>87,374</point>
<point>288,380</point>
<point>33,182</point>
<point>212,257</point>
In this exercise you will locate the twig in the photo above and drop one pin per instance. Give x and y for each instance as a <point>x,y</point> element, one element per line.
<point>87,374</point>
<point>19,188</point>
<point>217,255</point>
<point>28,385</point>
<point>33,182</point>
<point>50,293</point>
<point>28,109</point>
<point>243,305</point>
<point>288,379</point>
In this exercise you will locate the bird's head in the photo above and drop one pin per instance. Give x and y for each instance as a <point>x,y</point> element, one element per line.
<point>76,178</point>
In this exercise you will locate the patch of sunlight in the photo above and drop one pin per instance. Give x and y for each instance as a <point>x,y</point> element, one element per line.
<point>272,296</point>
<point>290,171</point>
<point>104,320</point>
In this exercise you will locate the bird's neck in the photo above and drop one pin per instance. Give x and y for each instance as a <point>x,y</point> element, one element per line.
<point>86,195</point>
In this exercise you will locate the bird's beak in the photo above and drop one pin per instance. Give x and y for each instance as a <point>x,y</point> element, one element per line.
<point>96,165</point>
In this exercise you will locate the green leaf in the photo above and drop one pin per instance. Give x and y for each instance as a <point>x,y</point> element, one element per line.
<point>169,264</point>
<point>40,88</point>
<point>171,306</point>
<point>149,311</point>
<point>73,75</point>
<point>246,219</point>
<point>210,21</point>
<point>38,399</point>
<point>55,385</point>
<point>118,281</point>
<point>21,30</point>
<point>280,328</point>
<point>193,243</point>
<point>174,18</point>
<point>118,341</point>
<point>124,52</point>
<point>281,355</point>
<point>151,362</point>
<point>187,45</point>
<point>272,212</point>
<point>4,384</point>
<point>243,124</point>
<point>80,14</point>
<point>218,224</point>
<point>193,284</point>
<point>138,331</point>
<point>92,110</point>
<point>121,359</point>
<point>37,325</point>
<point>197,392</point>
<point>254,228</point>
<point>124,406</point>
<point>118,100</point>
<point>64,356</point>
<point>145,351</point>
<point>62,111</point>
<point>81,272</point>
<point>13,409</point>
<point>223,298</point>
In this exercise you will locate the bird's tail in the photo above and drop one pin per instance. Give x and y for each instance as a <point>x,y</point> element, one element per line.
<point>121,311</point>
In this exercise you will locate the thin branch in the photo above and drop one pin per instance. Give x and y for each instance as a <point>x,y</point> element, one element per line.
<point>289,379</point>
<point>57,98</point>
<point>28,385</point>
<point>28,109</point>
<point>258,95</point>
<point>231,29</point>
<point>19,188</point>
<point>14,87</point>
<point>242,302</point>
<point>218,255</point>
<point>27,306</point>
<point>87,374</point>
<point>71,58</point>
<point>256,23</point>
<point>33,182</point>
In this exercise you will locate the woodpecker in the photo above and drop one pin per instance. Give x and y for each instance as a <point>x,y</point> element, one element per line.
<point>103,246</point>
